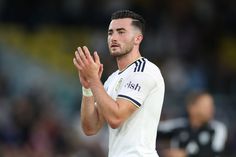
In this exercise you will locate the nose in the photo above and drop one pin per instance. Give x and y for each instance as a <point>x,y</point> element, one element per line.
<point>113,37</point>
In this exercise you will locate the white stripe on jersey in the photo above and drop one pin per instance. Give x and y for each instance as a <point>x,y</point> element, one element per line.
<point>219,137</point>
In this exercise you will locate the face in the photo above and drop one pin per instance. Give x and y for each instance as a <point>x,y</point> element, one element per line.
<point>121,37</point>
<point>203,108</point>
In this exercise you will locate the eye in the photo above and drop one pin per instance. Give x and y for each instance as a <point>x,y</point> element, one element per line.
<point>109,33</point>
<point>121,32</point>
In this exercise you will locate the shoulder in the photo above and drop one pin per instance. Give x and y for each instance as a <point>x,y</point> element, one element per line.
<point>152,70</point>
<point>146,68</point>
<point>147,73</point>
<point>218,126</point>
<point>173,124</point>
<point>220,135</point>
<point>111,77</point>
<point>143,65</point>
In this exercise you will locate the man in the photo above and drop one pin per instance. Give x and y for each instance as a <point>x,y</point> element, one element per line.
<point>197,136</point>
<point>131,99</point>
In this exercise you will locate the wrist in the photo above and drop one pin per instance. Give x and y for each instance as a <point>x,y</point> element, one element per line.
<point>87,92</point>
<point>94,82</point>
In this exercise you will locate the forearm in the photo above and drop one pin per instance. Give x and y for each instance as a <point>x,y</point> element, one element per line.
<point>108,106</point>
<point>90,70</point>
<point>91,120</point>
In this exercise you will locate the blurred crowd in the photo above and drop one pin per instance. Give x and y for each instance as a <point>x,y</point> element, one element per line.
<point>31,125</point>
<point>33,121</point>
<point>192,41</point>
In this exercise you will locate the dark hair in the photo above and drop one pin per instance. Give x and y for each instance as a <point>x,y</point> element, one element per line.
<point>194,96</point>
<point>138,20</point>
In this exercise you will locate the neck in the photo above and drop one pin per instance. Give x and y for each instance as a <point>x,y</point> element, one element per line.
<point>195,122</point>
<point>124,61</point>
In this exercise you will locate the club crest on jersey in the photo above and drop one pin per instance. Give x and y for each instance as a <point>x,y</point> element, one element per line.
<point>134,86</point>
<point>118,85</point>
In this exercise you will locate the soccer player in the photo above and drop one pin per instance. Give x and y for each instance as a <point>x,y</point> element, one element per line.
<point>131,99</point>
<point>198,135</point>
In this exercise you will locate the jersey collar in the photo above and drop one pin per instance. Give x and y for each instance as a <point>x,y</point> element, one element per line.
<point>119,72</point>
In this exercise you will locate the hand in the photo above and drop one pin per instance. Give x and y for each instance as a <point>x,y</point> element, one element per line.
<point>83,80</point>
<point>89,68</point>
<point>100,71</point>
<point>175,153</point>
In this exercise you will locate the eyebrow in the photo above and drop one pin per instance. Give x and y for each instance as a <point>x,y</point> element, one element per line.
<point>118,29</point>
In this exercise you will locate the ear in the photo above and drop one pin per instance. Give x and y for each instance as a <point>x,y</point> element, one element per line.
<point>138,39</point>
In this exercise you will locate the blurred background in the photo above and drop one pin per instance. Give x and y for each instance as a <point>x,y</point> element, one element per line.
<point>192,41</point>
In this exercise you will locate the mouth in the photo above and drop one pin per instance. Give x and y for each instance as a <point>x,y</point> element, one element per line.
<point>114,45</point>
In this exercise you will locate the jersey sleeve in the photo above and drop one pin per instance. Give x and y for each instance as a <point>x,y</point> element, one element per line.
<point>219,138</point>
<point>137,88</point>
<point>172,125</point>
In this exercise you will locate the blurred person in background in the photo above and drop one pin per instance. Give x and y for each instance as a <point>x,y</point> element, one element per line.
<point>131,99</point>
<point>198,135</point>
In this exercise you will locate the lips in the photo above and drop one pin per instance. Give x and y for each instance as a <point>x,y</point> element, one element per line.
<point>115,45</point>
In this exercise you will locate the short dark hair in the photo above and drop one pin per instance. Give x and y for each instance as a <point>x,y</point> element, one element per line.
<point>194,96</point>
<point>138,20</point>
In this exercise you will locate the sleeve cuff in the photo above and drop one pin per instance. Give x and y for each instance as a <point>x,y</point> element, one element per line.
<point>136,103</point>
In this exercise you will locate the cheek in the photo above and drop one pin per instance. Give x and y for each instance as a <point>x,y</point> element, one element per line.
<point>128,40</point>
<point>108,39</point>
<point>207,112</point>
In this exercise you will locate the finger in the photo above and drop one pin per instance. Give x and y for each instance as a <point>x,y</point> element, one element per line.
<point>96,57</point>
<point>87,53</point>
<point>76,64</point>
<point>100,70</point>
<point>101,67</point>
<point>81,54</point>
<point>78,59</point>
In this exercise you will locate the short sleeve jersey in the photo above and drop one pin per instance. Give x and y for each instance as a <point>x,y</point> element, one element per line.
<point>142,84</point>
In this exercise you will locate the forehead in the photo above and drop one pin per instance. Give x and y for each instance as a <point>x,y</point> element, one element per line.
<point>204,100</point>
<point>120,23</point>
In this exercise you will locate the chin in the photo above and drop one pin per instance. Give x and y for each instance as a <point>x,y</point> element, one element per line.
<point>115,53</point>
<point>119,54</point>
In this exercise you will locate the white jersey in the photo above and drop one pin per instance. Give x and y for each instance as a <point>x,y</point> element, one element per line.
<point>143,85</point>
